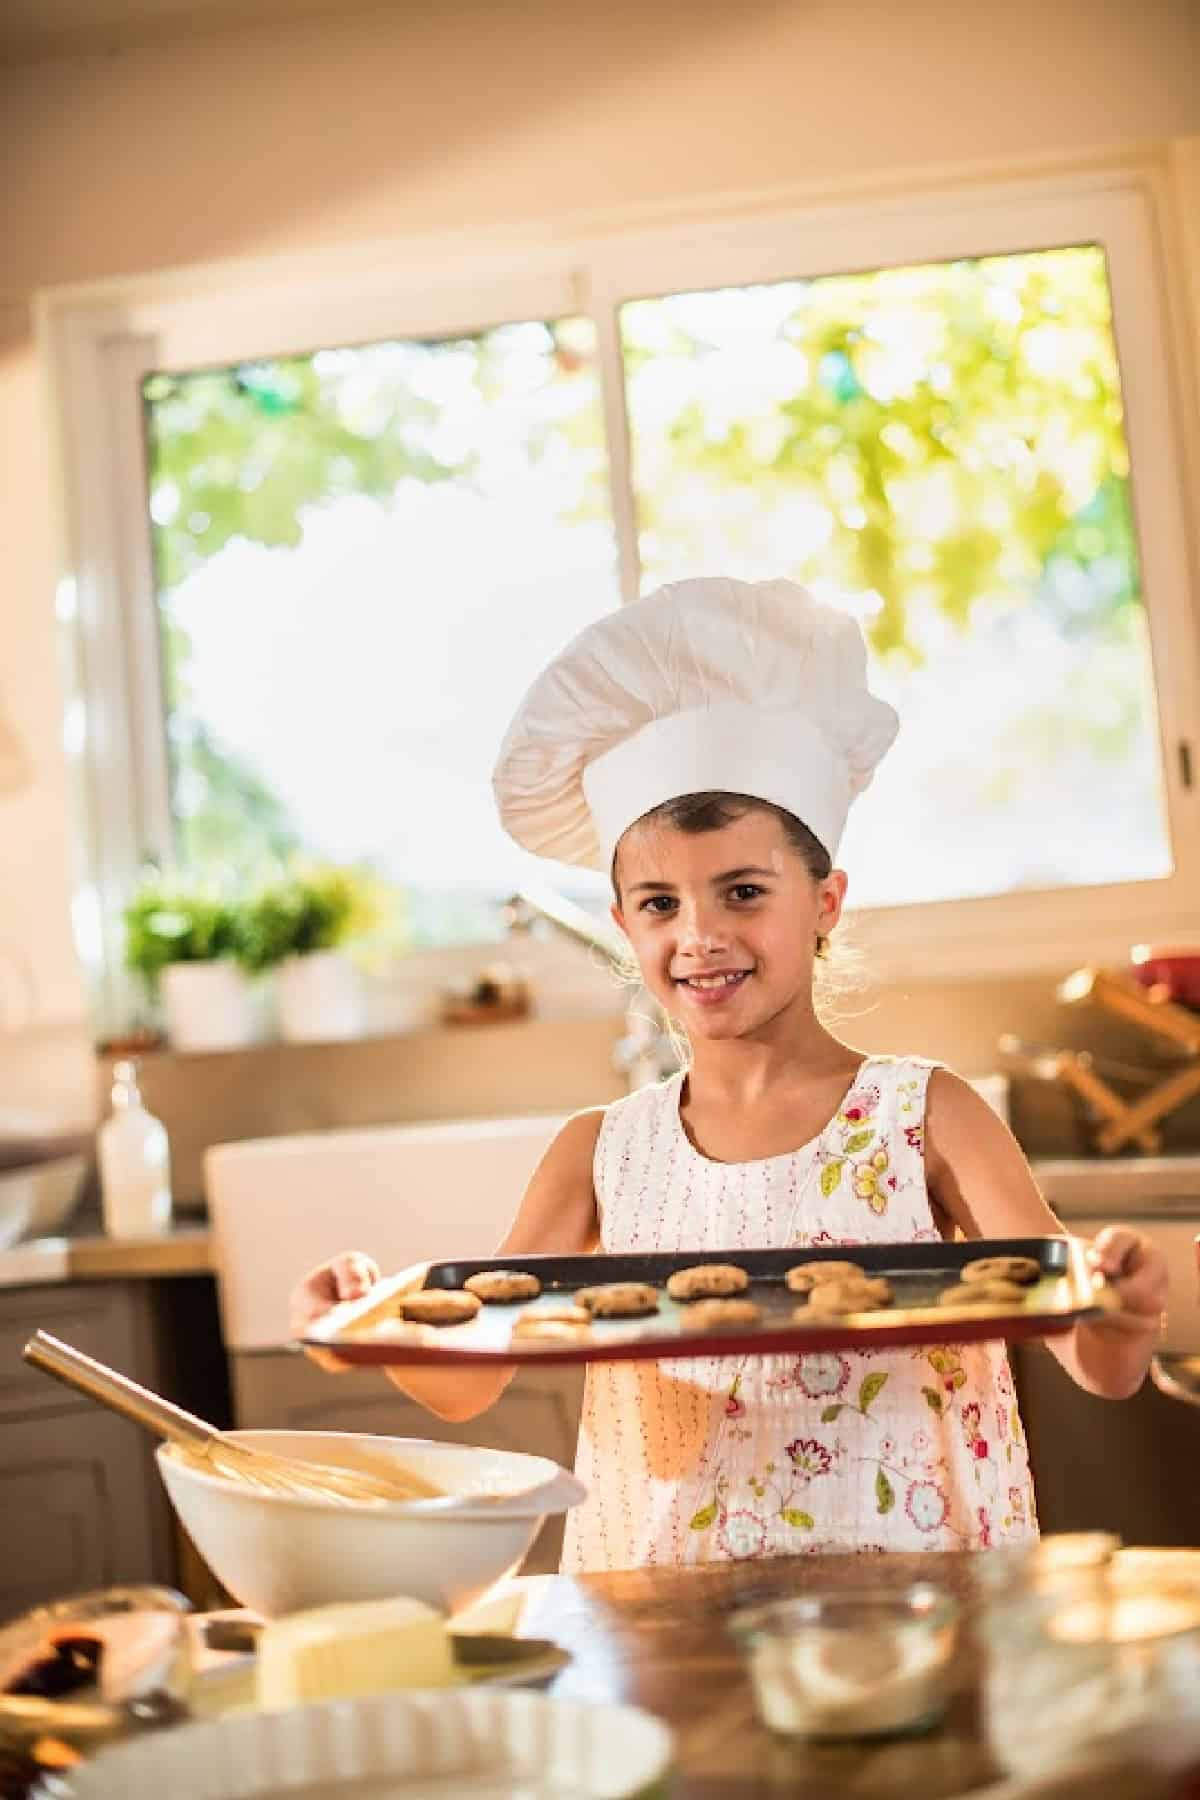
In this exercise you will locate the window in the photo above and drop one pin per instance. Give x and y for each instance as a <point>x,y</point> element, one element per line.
<point>362,557</point>
<point>946,443</point>
<point>316,581</point>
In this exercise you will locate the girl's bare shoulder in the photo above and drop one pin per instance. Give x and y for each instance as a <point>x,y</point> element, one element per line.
<point>558,1213</point>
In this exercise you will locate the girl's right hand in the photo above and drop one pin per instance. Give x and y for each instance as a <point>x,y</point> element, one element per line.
<point>345,1277</point>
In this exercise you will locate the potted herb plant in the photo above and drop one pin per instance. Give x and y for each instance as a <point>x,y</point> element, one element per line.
<point>183,938</point>
<point>298,923</point>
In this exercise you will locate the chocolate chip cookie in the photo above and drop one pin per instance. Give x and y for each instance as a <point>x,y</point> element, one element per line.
<point>807,1276</point>
<point>720,1314</point>
<point>707,1281</point>
<point>536,1328</point>
<point>982,1293</point>
<point>500,1287</point>
<point>560,1313</point>
<point>861,1295</point>
<point>439,1306</point>
<point>619,1300</point>
<point>1020,1269</point>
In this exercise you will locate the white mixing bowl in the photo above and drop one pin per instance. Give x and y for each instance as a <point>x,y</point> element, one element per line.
<point>276,1553</point>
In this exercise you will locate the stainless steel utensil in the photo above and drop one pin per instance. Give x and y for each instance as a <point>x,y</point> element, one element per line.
<point>204,1443</point>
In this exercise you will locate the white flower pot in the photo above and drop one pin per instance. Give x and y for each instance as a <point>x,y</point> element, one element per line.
<point>319,996</point>
<point>207,1006</point>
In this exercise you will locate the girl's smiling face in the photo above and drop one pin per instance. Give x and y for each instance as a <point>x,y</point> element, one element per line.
<point>724,923</point>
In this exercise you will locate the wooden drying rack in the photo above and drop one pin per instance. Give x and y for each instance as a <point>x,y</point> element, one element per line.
<point>1121,1121</point>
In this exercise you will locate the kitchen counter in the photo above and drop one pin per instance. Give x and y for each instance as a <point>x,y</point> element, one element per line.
<point>87,1254</point>
<point>658,1638</point>
<point>1120,1186</point>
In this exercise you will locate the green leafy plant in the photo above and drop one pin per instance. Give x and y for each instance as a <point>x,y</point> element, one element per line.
<point>308,907</point>
<point>171,919</point>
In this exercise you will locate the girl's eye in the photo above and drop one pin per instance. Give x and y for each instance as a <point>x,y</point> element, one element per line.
<point>658,903</point>
<point>747,890</point>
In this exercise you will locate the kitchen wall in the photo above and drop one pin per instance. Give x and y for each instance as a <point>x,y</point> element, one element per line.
<point>168,145</point>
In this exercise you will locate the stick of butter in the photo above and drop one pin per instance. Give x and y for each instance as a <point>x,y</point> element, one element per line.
<point>338,1652</point>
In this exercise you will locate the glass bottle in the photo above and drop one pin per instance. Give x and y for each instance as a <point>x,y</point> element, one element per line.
<point>135,1164</point>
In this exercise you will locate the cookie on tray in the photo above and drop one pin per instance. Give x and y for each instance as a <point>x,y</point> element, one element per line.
<point>720,1314</point>
<point>439,1306</point>
<point>561,1313</point>
<point>619,1300</point>
<point>834,1297</point>
<point>394,1331</point>
<point>806,1276</point>
<point>982,1293</point>
<point>707,1281</point>
<point>537,1328</point>
<point>501,1287</point>
<point>1022,1269</point>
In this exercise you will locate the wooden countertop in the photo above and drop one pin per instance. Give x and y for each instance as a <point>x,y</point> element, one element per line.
<point>658,1638</point>
<point>90,1255</point>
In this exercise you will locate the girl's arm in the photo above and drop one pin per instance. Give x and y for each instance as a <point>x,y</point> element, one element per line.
<point>978,1176</point>
<point>556,1216</point>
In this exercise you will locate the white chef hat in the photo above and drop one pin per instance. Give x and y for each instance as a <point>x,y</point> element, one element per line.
<point>705,685</point>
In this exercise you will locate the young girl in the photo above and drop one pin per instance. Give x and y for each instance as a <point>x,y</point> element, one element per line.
<point>703,746</point>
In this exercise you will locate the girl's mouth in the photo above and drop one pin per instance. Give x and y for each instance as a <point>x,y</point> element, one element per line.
<point>712,990</point>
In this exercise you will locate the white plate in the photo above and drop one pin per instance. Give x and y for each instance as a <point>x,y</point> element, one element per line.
<point>492,1746</point>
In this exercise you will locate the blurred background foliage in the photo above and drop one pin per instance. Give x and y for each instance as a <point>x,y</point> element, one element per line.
<point>945,440</point>
<point>940,436</point>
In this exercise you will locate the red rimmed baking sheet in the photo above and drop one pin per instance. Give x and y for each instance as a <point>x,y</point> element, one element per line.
<point>1065,1292</point>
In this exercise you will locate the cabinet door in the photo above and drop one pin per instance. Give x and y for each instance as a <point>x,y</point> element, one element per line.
<point>102,1319</point>
<point>77,1508</point>
<point>1128,1466</point>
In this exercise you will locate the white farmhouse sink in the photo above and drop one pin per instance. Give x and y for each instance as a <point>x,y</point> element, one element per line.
<point>402,1193</point>
<point>36,1201</point>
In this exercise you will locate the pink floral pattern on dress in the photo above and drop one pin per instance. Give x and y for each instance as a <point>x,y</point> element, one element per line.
<point>742,1457</point>
<point>809,1457</point>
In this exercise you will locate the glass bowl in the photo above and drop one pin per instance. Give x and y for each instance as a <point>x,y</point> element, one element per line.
<point>838,1663</point>
<point>1082,1660</point>
<point>1042,1562</point>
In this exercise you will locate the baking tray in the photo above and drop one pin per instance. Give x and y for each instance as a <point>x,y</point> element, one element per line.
<point>1066,1292</point>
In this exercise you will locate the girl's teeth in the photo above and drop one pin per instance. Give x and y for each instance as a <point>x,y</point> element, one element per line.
<point>709,981</point>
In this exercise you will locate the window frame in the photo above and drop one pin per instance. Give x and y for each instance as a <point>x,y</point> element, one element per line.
<point>98,344</point>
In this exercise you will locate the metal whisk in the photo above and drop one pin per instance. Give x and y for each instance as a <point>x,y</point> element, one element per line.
<point>224,1455</point>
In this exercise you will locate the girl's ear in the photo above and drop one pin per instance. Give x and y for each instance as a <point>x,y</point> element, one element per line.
<point>831,900</point>
<point>618,917</point>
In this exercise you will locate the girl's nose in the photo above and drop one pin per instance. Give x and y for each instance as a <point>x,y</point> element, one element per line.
<point>700,934</point>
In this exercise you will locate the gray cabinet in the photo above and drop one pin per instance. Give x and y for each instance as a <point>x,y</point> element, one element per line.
<point>537,1414</point>
<point>81,1503</point>
<point>1129,1466</point>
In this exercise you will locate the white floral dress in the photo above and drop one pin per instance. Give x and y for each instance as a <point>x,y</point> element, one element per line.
<point>717,1458</point>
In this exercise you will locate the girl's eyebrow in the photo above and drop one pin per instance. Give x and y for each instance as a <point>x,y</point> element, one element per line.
<point>668,887</point>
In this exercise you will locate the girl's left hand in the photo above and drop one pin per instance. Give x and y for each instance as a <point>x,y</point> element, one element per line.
<point>1136,1269</point>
